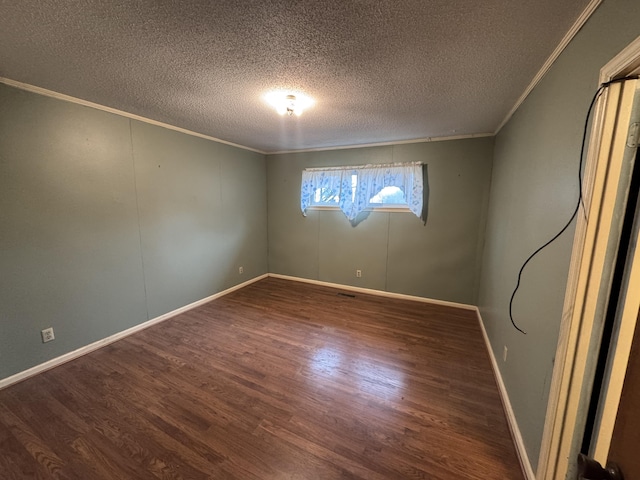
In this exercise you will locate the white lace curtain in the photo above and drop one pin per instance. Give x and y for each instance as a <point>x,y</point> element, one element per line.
<point>338,183</point>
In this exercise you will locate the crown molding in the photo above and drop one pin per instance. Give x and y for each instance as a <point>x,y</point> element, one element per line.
<point>575,28</point>
<point>385,144</point>
<point>67,98</point>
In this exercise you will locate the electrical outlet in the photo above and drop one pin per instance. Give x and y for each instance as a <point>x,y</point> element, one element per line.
<point>47,335</point>
<point>241,270</point>
<point>358,273</point>
<point>504,354</point>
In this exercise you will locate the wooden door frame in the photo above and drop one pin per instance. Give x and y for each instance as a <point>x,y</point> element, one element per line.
<point>579,337</point>
<point>618,360</point>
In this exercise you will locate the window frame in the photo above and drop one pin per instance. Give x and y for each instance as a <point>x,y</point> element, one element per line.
<point>330,182</point>
<point>371,207</point>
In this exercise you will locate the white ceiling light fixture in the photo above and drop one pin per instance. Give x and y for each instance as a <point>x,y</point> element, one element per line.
<point>289,103</point>
<point>291,106</point>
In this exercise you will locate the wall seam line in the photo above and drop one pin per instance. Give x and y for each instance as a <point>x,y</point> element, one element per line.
<point>135,186</point>
<point>386,266</point>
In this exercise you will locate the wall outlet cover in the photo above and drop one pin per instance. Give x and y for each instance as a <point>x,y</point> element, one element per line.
<point>47,335</point>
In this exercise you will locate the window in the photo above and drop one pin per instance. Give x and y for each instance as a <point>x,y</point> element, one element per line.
<point>328,190</point>
<point>355,189</point>
<point>389,197</point>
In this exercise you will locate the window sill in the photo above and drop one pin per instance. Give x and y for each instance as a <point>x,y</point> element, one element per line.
<point>387,209</point>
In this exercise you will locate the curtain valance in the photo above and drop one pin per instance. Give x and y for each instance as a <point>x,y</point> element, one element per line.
<point>353,188</point>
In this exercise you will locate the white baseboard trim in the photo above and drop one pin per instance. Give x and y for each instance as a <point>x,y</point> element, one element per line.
<point>508,410</point>
<point>380,293</point>
<point>54,362</point>
<point>513,424</point>
<point>521,451</point>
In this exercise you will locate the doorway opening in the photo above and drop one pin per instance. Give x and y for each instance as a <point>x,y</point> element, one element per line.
<point>594,275</point>
<point>628,239</point>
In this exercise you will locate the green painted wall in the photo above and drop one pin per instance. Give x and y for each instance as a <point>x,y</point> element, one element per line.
<point>107,222</point>
<point>202,215</point>
<point>395,251</point>
<point>534,190</point>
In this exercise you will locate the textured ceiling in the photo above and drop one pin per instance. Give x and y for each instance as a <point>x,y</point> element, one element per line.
<point>380,71</point>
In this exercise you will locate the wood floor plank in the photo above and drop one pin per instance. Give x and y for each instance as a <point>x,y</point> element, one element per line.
<point>278,380</point>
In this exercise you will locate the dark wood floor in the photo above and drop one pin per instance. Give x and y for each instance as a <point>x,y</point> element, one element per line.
<point>279,380</point>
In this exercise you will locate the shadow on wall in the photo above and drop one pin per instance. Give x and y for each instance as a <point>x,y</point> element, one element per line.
<point>425,193</point>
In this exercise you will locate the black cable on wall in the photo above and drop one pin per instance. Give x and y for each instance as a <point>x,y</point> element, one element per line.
<point>599,91</point>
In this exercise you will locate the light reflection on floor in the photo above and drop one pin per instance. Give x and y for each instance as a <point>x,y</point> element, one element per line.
<point>371,377</point>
